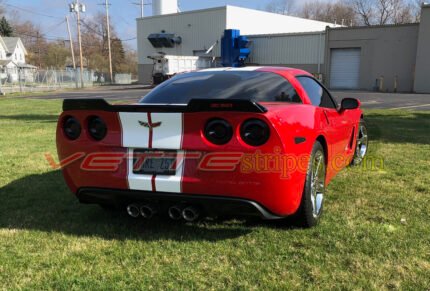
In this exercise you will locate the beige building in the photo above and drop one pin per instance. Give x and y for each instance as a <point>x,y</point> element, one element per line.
<point>201,30</point>
<point>384,58</point>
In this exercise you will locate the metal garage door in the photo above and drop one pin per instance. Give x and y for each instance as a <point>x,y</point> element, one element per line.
<point>345,68</point>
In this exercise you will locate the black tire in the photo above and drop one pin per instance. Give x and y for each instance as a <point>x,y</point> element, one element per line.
<point>310,211</point>
<point>362,143</point>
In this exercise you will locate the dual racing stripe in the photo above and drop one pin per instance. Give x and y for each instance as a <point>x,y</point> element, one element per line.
<point>158,131</point>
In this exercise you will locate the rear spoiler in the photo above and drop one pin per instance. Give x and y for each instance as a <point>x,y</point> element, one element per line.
<point>195,105</point>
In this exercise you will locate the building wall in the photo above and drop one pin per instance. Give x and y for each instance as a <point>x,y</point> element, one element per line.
<point>387,51</point>
<point>144,73</point>
<point>199,31</point>
<point>304,50</point>
<point>3,53</point>
<point>251,21</point>
<point>422,73</point>
<point>18,56</point>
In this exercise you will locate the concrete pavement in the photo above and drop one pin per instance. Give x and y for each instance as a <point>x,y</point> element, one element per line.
<point>370,100</point>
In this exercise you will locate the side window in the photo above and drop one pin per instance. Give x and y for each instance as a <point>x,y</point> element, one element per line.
<point>287,93</point>
<point>318,95</point>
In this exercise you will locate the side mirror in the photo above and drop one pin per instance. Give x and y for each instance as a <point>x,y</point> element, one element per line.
<point>349,104</point>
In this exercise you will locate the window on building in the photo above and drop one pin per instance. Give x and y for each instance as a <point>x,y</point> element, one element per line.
<point>316,93</point>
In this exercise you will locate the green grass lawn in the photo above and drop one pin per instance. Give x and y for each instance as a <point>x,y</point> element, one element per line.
<point>375,233</point>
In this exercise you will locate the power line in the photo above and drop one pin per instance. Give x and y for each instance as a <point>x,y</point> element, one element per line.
<point>142,5</point>
<point>31,12</point>
<point>129,39</point>
<point>42,36</point>
<point>60,38</point>
<point>53,27</point>
<point>101,34</point>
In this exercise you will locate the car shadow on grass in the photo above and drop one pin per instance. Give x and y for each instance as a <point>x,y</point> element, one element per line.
<point>399,127</point>
<point>44,203</point>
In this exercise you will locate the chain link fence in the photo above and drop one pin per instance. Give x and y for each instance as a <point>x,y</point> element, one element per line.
<point>13,80</point>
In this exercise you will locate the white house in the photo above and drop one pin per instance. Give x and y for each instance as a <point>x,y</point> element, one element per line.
<point>12,60</point>
<point>16,51</point>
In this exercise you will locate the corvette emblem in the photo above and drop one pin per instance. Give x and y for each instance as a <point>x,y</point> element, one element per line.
<point>150,125</point>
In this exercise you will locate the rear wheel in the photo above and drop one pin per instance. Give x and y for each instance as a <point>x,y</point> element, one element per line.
<point>362,144</point>
<point>311,207</point>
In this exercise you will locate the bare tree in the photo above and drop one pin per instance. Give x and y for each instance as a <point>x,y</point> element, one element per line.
<point>95,44</point>
<point>281,6</point>
<point>380,12</point>
<point>405,14</point>
<point>416,9</point>
<point>329,12</point>
<point>364,10</point>
<point>385,10</point>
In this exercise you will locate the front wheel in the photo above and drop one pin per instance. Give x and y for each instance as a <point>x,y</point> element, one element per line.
<point>311,207</point>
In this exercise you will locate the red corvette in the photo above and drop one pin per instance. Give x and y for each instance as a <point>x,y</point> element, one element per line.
<point>260,141</point>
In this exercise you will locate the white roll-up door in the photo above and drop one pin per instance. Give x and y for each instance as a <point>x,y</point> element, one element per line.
<point>345,68</point>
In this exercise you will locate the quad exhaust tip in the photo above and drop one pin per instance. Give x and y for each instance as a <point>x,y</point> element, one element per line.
<point>175,212</point>
<point>133,210</point>
<point>190,214</point>
<point>147,211</point>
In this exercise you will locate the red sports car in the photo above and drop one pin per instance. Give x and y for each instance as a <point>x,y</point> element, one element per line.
<point>261,141</point>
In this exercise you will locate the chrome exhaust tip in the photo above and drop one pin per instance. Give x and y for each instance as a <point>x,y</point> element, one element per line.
<point>190,213</point>
<point>175,212</point>
<point>147,211</point>
<point>133,210</point>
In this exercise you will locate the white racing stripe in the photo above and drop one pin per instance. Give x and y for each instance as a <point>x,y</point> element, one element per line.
<point>171,184</point>
<point>159,131</point>
<point>134,135</point>
<point>230,69</point>
<point>137,182</point>
<point>169,134</point>
<point>245,69</point>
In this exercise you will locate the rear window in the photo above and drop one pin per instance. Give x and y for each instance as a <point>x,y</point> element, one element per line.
<point>245,85</point>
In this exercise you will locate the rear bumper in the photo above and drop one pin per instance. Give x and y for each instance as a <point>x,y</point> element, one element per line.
<point>210,205</point>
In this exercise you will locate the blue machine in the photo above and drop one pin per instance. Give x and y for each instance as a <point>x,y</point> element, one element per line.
<point>234,48</point>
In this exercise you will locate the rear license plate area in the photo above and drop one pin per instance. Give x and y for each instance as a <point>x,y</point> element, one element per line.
<point>153,162</point>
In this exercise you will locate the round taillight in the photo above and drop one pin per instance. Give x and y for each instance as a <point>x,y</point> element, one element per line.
<point>72,128</point>
<point>218,131</point>
<point>255,132</point>
<point>97,128</point>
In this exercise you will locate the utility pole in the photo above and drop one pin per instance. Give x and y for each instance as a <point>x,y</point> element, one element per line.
<point>142,7</point>
<point>72,50</point>
<point>109,44</point>
<point>78,8</point>
<point>78,12</point>
<point>142,10</point>
<point>38,49</point>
